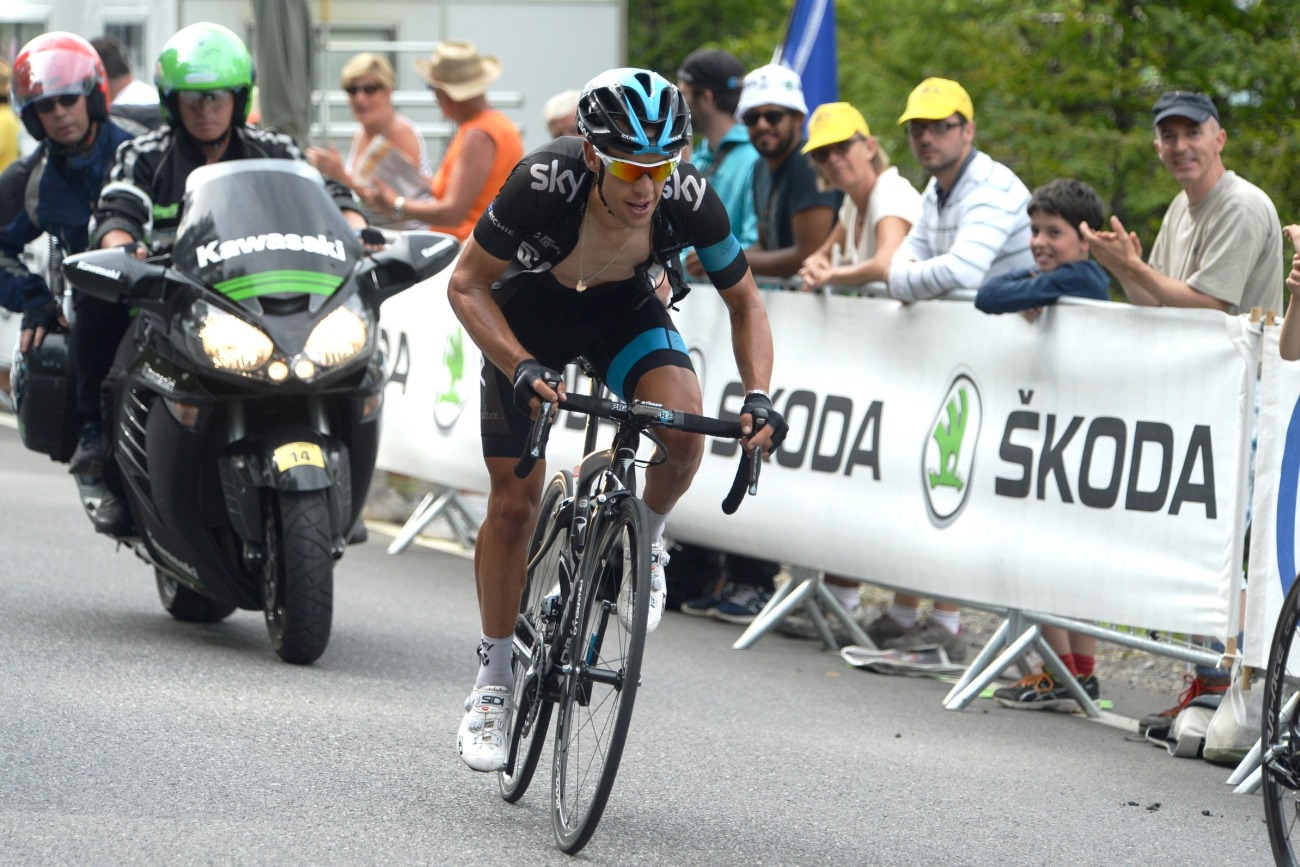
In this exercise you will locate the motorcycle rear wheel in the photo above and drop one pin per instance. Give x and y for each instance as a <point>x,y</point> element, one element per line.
<point>298,575</point>
<point>184,604</point>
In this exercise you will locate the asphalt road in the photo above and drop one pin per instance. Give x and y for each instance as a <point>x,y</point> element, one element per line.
<point>130,738</point>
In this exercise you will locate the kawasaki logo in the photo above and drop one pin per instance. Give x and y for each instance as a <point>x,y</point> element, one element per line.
<point>948,459</point>
<point>220,251</point>
<point>110,273</point>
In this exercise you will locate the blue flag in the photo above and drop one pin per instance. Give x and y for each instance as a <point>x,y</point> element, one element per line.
<point>809,49</point>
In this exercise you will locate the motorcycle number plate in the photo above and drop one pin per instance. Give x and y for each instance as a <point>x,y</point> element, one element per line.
<point>292,455</point>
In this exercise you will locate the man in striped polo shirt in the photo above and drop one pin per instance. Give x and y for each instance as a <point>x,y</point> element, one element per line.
<point>974,225</point>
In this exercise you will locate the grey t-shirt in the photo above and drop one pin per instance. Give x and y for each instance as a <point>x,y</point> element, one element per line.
<point>1228,247</point>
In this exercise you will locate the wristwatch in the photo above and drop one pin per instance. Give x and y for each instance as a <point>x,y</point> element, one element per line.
<point>399,207</point>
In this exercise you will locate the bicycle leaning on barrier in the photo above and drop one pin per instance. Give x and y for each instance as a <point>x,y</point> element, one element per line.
<point>573,652</point>
<point>1280,738</point>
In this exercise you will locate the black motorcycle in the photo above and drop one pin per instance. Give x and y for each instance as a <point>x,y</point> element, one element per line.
<point>246,423</point>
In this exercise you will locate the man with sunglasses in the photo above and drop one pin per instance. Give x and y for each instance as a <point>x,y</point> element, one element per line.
<point>794,216</point>
<point>974,226</point>
<point>566,262</point>
<point>205,81</point>
<point>60,92</point>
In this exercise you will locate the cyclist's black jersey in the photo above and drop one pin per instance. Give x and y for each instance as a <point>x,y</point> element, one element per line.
<point>534,219</point>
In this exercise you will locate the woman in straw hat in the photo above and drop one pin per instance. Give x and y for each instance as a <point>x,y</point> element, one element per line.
<point>481,154</point>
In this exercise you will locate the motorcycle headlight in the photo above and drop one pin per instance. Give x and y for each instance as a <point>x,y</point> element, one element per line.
<point>338,338</point>
<point>229,342</point>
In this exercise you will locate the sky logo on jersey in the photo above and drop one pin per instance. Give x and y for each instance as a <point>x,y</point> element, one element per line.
<point>948,459</point>
<point>690,188</point>
<point>220,251</point>
<point>549,179</point>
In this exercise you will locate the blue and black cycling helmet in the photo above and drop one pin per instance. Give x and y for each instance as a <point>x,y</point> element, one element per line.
<point>635,111</point>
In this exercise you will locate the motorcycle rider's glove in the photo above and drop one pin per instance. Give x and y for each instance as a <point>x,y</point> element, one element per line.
<point>44,316</point>
<point>527,373</point>
<point>759,406</point>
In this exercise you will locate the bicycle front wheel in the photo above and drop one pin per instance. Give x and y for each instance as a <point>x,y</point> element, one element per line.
<point>1281,735</point>
<point>603,674</point>
<point>530,707</point>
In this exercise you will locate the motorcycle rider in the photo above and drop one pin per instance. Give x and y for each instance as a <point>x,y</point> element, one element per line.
<point>205,81</point>
<point>60,90</point>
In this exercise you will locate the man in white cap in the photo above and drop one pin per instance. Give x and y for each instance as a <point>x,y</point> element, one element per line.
<point>479,157</point>
<point>794,217</point>
<point>561,113</point>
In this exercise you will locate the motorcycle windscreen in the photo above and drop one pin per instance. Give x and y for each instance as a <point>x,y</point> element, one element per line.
<point>263,228</point>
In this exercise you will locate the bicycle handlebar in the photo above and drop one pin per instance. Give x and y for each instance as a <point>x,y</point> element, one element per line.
<point>647,416</point>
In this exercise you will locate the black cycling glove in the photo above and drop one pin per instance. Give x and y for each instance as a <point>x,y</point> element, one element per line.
<point>44,316</point>
<point>527,373</point>
<point>760,408</point>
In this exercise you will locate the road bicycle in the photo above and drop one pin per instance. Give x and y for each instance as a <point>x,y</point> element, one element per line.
<point>1280,737</point>
<point>573,656</point>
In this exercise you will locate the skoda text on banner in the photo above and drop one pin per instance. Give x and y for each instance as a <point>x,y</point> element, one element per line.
<point>1071,467</point>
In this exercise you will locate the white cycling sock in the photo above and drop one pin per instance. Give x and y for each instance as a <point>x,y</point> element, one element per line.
<point>494,662</point>
<point>949,620</point>
<point>904,616</point>
<point>849,597</point>
<point>656,528</point>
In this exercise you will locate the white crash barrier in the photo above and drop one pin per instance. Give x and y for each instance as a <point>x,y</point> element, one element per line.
<point>1092,465</point>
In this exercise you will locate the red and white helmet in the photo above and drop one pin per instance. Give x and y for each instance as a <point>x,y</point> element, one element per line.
<point>54,64</point>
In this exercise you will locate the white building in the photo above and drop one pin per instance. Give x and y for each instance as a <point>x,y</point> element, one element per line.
<point>545,45</point>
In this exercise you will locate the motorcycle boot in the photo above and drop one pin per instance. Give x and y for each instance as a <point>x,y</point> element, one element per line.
<point>88,459</point>
<point>111,517</point>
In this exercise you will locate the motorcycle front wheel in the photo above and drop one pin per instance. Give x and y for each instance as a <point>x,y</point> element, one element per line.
<point>184,604</point>
<point>298,575</point>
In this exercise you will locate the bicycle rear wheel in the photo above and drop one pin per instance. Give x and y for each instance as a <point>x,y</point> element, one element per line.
<point>598,693</point>
<point>1281,734</point>
<point>530,708</point>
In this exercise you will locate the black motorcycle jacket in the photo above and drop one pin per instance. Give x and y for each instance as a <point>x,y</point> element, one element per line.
<point>147,181</point>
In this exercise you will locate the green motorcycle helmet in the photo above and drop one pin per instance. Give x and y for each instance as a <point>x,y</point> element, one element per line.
<point>202,57</point>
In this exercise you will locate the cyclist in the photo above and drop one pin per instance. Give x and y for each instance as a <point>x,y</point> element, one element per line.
<point>205,81</point>
<point>566,261</point>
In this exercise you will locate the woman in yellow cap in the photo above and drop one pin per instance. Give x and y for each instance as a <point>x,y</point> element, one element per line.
<point>879,208</point>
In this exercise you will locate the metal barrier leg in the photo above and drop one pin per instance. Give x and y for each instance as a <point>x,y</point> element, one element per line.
<point>434,504</point>
<point>793,592</point>
<point>1250,773</point>
<point>972,690</point>
<point>982,659</point>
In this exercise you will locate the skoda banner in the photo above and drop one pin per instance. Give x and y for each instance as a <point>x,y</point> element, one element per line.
<point>1091,465</point>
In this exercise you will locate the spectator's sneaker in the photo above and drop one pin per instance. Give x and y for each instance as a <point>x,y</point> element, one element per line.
<point>88,458</point>
<point>798,624</point>
<point>883,628</point>
<point>929,634</point>
<point>658,591</point>
<point>741,605</point>
<point>1090,685</point>
<point>1157,723</point>
<point>484,736</point>
<point>700,607</point>
<point>1038,691</point>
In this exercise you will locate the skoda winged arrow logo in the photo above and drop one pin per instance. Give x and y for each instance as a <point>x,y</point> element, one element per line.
<point>448,402</point>
<point>948,458</point>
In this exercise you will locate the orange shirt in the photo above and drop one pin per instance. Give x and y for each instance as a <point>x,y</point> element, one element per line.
<point>510,150</point>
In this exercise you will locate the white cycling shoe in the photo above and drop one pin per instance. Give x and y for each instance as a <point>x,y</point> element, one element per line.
<point>484,736</point>
<point>658,590</point>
